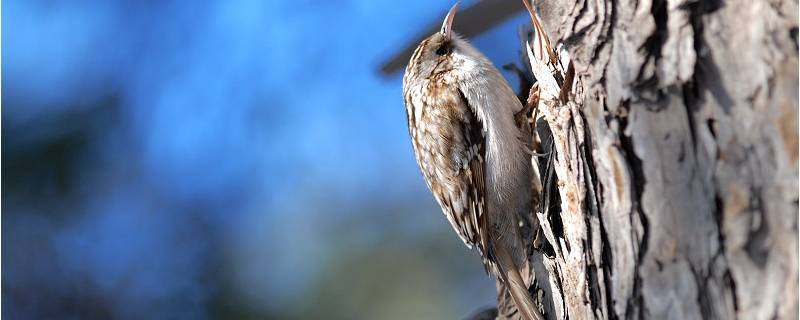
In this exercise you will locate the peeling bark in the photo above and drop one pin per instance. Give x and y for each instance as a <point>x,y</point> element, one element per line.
<point>672,186</point>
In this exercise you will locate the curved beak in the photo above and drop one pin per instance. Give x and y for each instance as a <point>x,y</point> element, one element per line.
<point>447,24</point>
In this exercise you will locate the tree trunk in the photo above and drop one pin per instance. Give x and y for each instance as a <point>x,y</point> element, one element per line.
<point>674,164</point>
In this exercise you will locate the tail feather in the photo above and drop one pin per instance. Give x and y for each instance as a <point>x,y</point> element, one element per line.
<point>516,286</point>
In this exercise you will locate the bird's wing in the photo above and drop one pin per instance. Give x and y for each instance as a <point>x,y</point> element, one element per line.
<point>466,202</point>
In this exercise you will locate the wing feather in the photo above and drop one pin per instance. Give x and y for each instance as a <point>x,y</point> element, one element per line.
<point>474,176</point>
<point>450,145</point>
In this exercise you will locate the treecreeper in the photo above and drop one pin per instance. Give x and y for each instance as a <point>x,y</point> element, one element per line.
<point>473,156</point>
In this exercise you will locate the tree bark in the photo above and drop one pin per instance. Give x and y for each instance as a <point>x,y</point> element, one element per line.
<point>672,186</point>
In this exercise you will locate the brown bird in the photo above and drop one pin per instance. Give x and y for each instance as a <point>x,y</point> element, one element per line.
<point>460,113</point>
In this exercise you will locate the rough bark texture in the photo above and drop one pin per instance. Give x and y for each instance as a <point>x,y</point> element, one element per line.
<point>675,164</point>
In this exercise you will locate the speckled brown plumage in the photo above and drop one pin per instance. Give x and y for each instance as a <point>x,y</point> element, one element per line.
<point>460,114</point>
<point>449,145</point>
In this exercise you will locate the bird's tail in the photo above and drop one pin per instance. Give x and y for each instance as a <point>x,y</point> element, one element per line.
<point>516,286</point>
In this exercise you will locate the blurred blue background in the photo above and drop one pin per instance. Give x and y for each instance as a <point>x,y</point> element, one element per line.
<point>222,160</point>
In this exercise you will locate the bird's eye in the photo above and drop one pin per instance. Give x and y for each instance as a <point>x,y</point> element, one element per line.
<point>443,49</point>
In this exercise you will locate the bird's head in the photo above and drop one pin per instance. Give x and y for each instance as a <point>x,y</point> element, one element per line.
<point>444,52</point>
